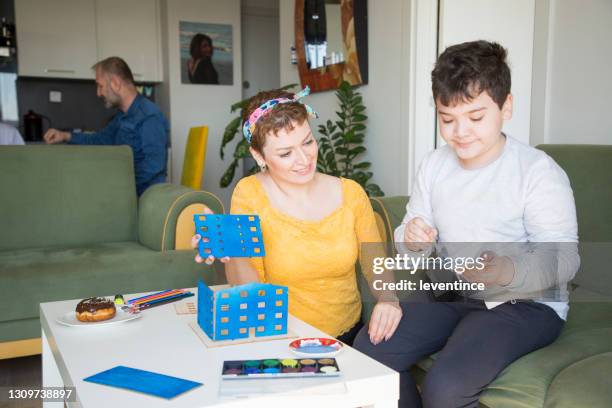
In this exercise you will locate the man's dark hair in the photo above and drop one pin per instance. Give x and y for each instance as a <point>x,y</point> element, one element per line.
<point>116,66</point>
<point>464,71</point>
<point>196,41</point>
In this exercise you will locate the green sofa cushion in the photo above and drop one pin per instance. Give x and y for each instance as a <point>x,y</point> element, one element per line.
<point>586,383</point>
<point>66,196</point>
<point>589,168</point>
<point>33,276</point>
<point>526,382</point>
<point>20,329</point>
<point>529,381</point>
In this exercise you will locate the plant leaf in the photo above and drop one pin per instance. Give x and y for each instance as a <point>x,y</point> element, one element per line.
<point>373,190</point>
<point>242,150</point>
<point>229,134</point>
<point>338,142</point>
<point>362,165</point>
<point>228,176</point>
<point>357,150</point>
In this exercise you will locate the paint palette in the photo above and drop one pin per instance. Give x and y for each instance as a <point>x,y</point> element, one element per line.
<point>280,368</point>
<point>314,347</point>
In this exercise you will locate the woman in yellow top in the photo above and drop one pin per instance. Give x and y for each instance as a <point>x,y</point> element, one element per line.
<point>312,224</point>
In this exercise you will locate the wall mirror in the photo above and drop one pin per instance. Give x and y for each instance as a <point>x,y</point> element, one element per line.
<point>331,43</point>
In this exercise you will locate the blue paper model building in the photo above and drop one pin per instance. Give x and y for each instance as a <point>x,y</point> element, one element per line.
<point>229,235</point>
<point>254,309</point>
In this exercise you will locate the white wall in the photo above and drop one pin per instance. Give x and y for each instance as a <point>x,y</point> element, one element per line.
<point>260,65</point>
<point>196,105</point>
<point>508,22</point>
<point>384,96</point>
<point>579,62</point>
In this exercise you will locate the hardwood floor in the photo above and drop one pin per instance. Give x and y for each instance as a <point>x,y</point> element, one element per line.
<point>21,372</point>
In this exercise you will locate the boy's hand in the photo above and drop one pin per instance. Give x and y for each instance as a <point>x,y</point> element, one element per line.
<point>498,270</point>
<point>195,240</point>
<point>384,321</point>
<point>418,235</point>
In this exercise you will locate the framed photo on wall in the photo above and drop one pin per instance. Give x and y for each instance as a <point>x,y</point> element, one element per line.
<point>206,53</point>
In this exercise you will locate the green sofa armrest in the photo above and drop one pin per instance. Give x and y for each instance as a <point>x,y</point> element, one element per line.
<point>390,211</point>
<point>159,209</point>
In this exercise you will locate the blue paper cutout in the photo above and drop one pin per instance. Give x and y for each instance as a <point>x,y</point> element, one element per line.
<point>254,309</point>
<point>237,236</point>
<point>147,382</point>
<point>316,349</point>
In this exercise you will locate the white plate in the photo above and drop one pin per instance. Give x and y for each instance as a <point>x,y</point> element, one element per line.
<point>69,319</point>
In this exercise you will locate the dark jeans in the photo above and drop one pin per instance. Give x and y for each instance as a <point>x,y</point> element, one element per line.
<point>475,344</point>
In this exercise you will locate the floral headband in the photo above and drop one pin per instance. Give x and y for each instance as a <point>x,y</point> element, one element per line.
<point>249,125</point>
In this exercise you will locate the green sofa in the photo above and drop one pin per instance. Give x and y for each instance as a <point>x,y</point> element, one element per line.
<point>73,227</point>
<point>576,370</point>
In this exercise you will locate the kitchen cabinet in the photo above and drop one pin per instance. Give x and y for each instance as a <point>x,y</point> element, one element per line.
<point>55,38</point>
<point>64,38</point>
<point>131,30</point>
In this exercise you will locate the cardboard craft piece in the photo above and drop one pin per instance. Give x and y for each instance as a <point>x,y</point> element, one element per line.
<point>251,310</point>
<point>237,236</point>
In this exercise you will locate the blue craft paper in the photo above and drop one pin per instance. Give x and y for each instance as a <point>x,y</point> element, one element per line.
<point>146,382</point>
<point>316,349</point>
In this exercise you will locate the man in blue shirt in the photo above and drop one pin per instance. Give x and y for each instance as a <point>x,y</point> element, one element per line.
<point>139,124</point>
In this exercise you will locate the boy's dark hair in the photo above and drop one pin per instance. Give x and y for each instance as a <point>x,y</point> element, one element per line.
<point>464,71</point>
<point>116,66</point>
<point>282,116</point>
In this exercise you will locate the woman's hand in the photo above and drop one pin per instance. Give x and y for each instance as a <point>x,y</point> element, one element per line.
<point>195,240</point>
<point>209,261</point>
<point>385,319</point>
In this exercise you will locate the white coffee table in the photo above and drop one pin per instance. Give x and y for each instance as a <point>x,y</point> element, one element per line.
<point>162,341</point>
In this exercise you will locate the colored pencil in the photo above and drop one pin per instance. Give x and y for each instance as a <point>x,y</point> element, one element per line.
<point>160,302</point>
<point>157,295</point>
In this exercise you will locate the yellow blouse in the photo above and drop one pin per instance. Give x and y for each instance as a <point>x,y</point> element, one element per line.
<point>314,259</point>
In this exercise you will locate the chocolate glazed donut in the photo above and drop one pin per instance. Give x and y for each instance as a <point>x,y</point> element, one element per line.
<point>95,309</point>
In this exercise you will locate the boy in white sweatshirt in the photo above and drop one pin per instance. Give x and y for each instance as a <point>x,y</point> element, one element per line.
<point>482,186</point>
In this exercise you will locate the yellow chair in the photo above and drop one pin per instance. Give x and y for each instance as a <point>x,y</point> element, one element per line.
<point>193,173</point>
<point>195,157</point>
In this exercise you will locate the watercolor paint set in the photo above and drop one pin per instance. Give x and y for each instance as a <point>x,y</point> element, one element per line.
<point>280,368</point>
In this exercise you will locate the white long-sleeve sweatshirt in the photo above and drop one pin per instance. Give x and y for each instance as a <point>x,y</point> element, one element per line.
<point>522,196</point>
